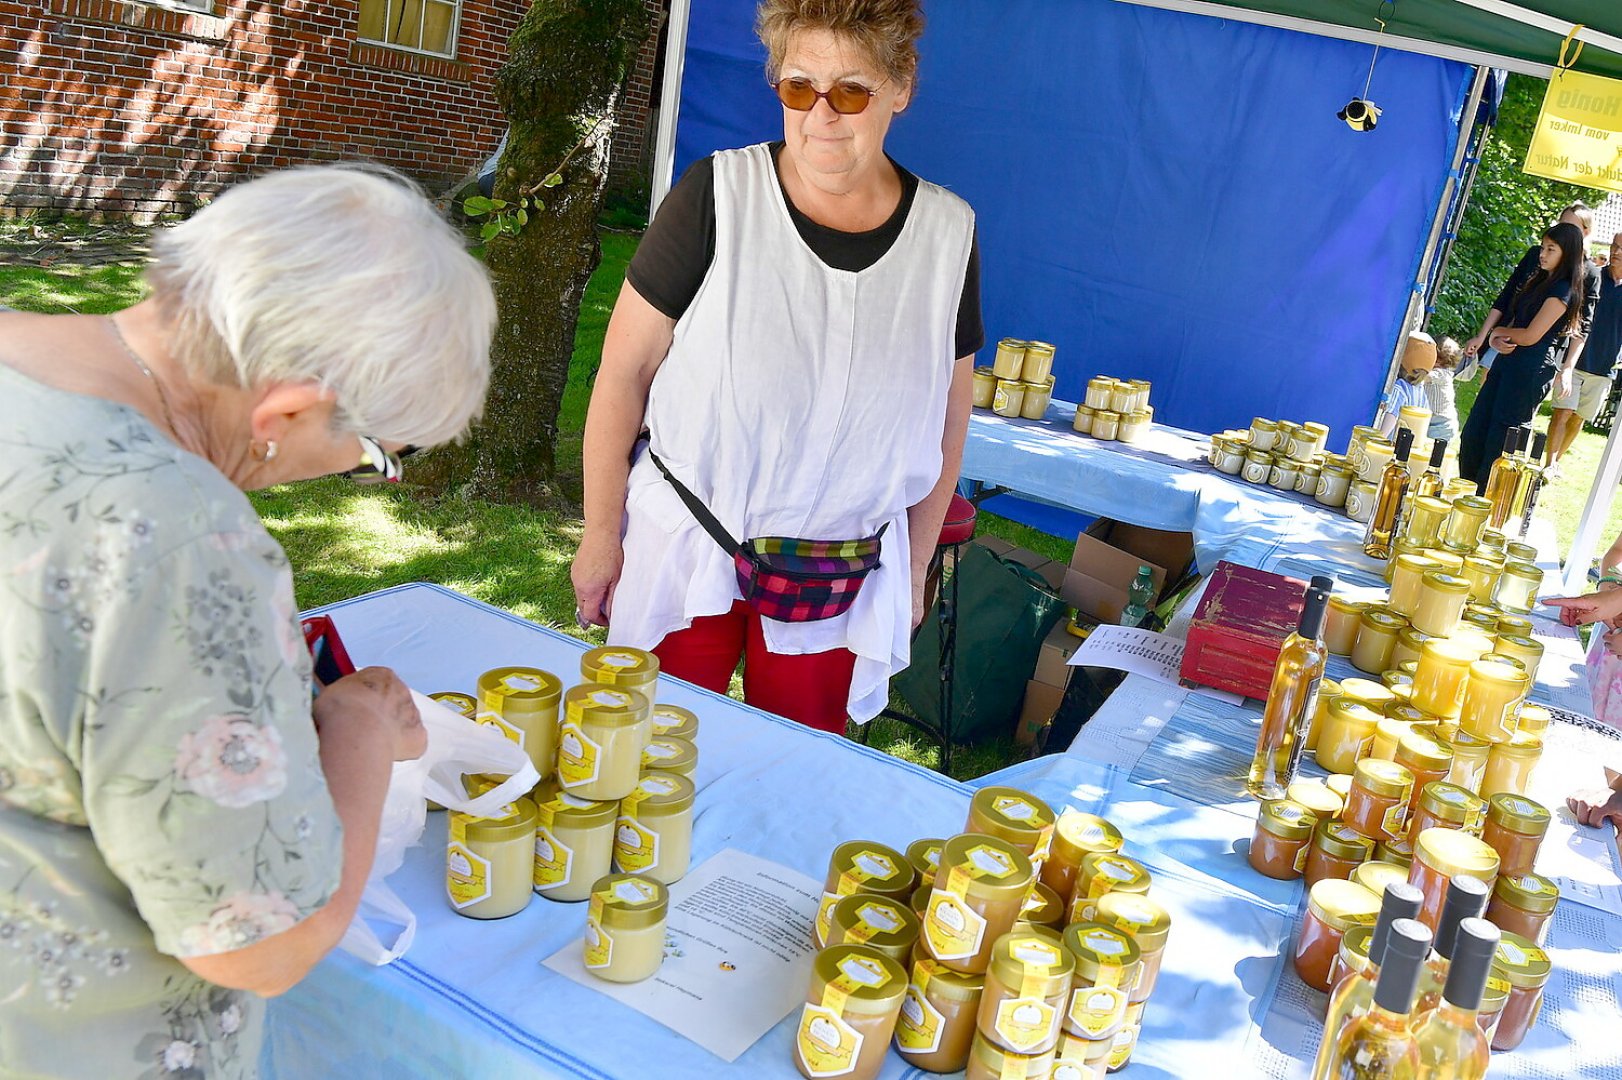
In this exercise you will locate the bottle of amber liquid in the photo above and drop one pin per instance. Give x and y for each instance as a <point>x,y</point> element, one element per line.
<point>1429,482</point>
<point>1526,495</point>
<point>1503,479</point>
<point>1291,699</point>
<point>1354,994</point>
<point>1452,1045</point>
<point>1380,1044</point>
<point>1388,500</point>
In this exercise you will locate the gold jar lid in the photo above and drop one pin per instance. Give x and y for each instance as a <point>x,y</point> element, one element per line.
<point>1412,637</point>
<point>1341,905</point>
<point>629,902</point>
<point>675,720</point>
<point>1148,923</point>
<point>1453,852</point>
<point>985,373</point>
<point>925,856</point>
<point>1121,873</point>
<point>1006,1064</point>
<point>1522,744</point>
<point>1534,719</point>
<point>1386,779</point>
<point>1423,751</point>
<point>1010,814</point>
<point>1347,606</point>
<point>1328,688</point>
<point>1416,562</point>
<point>661,794</point>
<point>1366,692</point>
<point>464,704</point>
<point>1399,850</point>
<point>1376,874</point>
<point>518,691</point>
<point>1496,993</point>
<point>1385,622</point>
<point>872,982</point>
<point>619,665</point>
<point>1493,671</point>
<point>1514,625</point>
<point>940,980</point>
<point>1526,966</point>
<point>882,922</point>
<point>609,706</point>
<point>1516,644</point>
<point>1341,841</point>
<point>1340,784</point>
<point>1445,583</point>
<point>1317,798</point>
<point>1315,429</point>
<point>1451,561</point>
<point>1096,945</point>
<point>1354,948</point>
<point>513,820</point>
<point>1259,457</point>
<point>1532,893</point>
<point>1487,624</point>
<point>1032,962</point>
<point>1076,834</point>
<point>1518,814</point>
<point>1431,504</point>
<point>1344,710</point>
<point>666,753</point>
<point>1521,552</point>
<point>1039,347</point>
<point>991,867</point>
<point>1140,416</point>
<point>1449,651</point>
<point>1474,505</point>
<point>1524,571</point>
<point>1043,907</point>
<point>1287,819</point>
<point>1013,343</point>
<point>557,807</point>
<point>1508,661</point>
<point>1394,678</point>
<point>876,867</point>
<point>1402,712</point>
<point>1468,746</point>
<point>1452,803</point>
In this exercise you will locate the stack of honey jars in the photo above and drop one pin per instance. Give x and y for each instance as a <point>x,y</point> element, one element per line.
<point>1115,409</point>
<point>1003,976</point>
<point>1019,381</point>
<point>1283,455</point>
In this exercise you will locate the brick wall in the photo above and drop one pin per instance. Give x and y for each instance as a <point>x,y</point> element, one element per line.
<point>632,150</point>
<point>128,109</point>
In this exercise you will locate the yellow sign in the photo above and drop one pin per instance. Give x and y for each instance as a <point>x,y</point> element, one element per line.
<point>1579,134</point>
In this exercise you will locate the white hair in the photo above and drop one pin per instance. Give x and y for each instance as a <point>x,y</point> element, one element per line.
<point>344,275</point>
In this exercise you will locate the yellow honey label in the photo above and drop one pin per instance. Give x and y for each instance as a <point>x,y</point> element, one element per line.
<point>866,866</point>
<point>1097,1009</point>
<point>920,1026</point>
<point>1301,858</point>
<point>1044,847</point>
<point>855,972</point>
<point>1025,1023</point>
<point>824,909</point>
<point>873,919</point>
<point>1394,819</point>
<point>611,699</point>
<point>579,758</point>
<point>1111,872</point>
<point>553,859</point>
<point>1069,1070</point>
<point>493,720</point>
<point>599,943</point>
<point>999,397</point>
<point>1013,808</point>
<point>826,1045</point>
<point>1121,1047</point>
<point>659,752</point>
<point>987,862</point>
<point>636,847</point>
<point>517,684</point>
<point>619,661</point>
<point>467,875</point>
<point>953,930</point>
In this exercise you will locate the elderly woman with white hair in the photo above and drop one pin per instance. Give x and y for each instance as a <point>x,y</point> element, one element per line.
<point>183,829</point>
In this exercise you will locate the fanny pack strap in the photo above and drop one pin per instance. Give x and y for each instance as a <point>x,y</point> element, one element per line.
<point>699,511</point>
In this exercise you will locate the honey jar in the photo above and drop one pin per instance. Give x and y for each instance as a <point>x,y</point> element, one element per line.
<point>1098,388</point>
<point>1410,641</point>
<point>850,1013</point>
<point>1376,875</point>
<point>1107,967</point>
<point>1482,573</point>
<point>979,892</point>
<point>1518,587</point>
<point>1360,500</point>
<point>1038,365</point>
<point>1439,856</point>
<point>1258,466</point>
<point>1018,817</point>
<point>676,722</point>
<point>1342,619</point>
<point>985,386</point>
<point>1008,398</point>
<point>1532,719</point>
<point>1469,760</point>
<point>1102,874</point>
<point>1009,362</point>
<point>1333,908</point>
<point>1527,650</point>
<point>1075,836</point>
<point>1320,801</point>
<point>1439,681</point>
<point>1306,482</point>
<point>1425,517</point>
<point>1284,474</point>
<point>1465,520</point>
<point>490,861</point>
<point>1337,849</point>
<point>1034,405</point>
<point>937,1021</point>
<point>1328,690</point>
<point>600,743</point>
<point>1441,603</point>
<point>1515,829</point>
<point>1376,456</point>
<point>1347,732</point>
<point>522,704</point>
<point>621,666</point>
<point>879,922</point>
<point>1149,926</point>
<point>1334,484</point>
<point>1492,698</point>
<point>653,835</point>
<point>1376,638</point>
<point>1524,905</point>
<point>1278,848</point>
<point>925,856</point>
<point>1083,424</point>
<point>1027,988</point>
<point>1527,969</point>
<point>1448,806</point>
<point>1107,425</point>
<point>1135,425</point>
<point>1406,574</point>
<point>625,928</point>
<point>1427,755</point>
<point>1378,805</point>
<point>574,843</point>
<point>864,866</point>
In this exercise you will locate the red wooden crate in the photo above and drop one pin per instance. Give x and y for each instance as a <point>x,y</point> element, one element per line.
<point>1239,628</point>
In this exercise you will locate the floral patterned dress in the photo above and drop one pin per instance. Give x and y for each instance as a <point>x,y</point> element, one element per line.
<point>160,791</point>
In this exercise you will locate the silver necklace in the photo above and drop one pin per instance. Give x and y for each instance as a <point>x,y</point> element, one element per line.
<point>163,399</point>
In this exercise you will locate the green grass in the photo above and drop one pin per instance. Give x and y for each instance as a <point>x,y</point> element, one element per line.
<point>89,290</point>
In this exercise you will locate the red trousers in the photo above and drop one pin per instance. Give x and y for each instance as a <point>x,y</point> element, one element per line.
<point>811,689</point>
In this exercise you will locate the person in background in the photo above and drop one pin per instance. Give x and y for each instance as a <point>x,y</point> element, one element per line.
<point>795,336</point>
<point>1476,348</point>
<point>1547,305</point>
<point>1596,360</point>
<point>1439,392</point>
<point>1408,388</point>
<point>182,831</point>
<point>1602,609</point>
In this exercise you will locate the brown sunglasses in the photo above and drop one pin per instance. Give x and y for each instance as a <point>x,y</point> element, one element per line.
<point>844,98</point>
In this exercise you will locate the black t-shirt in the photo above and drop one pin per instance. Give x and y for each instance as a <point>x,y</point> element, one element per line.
<point>1526,308</point>
<point>679,246</point>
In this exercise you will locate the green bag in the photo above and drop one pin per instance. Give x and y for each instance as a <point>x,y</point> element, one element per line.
<point>1004,612</point>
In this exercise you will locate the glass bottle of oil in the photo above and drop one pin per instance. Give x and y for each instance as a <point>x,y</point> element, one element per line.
<point>1452,1045</point>
<point>1429,482</point>
<point>1504,479</point>
<point>1380,1044</point>
<point>1532,469</point>
<point>1388,500</point>
<point>1291,699</point>
<point>1354,994</point>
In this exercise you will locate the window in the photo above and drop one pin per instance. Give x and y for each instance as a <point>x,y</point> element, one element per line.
<point>427,26</point>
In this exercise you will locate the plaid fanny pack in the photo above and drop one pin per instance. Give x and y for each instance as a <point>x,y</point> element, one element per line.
<point>785,578</point>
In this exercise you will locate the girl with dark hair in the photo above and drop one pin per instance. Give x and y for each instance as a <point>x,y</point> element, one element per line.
<point>1545,309</point>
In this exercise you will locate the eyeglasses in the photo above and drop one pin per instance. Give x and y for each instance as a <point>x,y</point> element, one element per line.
<point>844,98</point>
<point>377,465</point>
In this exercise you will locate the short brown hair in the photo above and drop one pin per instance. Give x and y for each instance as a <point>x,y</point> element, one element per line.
<point>886,30</point>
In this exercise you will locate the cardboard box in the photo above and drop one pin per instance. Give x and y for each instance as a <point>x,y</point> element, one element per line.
<point>1107,558</point>
<point>1041,702</point>
<point>1239,627</point>
<point>1053,662</point>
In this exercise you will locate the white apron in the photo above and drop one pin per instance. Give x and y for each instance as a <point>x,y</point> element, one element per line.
<point>797,400</point>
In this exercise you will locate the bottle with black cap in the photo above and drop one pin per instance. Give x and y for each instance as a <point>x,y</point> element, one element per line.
<point>1380,1044</point>
<point>1503,479</point>
<point>1466,899</point>
<point>1352,996</point>
<point>1526,498</point>
<point>1389,499</point>
<point>1291,698</point>
<point>1429,482</point>
<point>1452,1045</point>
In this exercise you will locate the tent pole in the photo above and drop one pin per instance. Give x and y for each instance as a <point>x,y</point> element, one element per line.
<point>1416,295</point>
<point>1471,171</point>
<point>1595,510</point>
<point>1557,26</point>
<point>664,145</point>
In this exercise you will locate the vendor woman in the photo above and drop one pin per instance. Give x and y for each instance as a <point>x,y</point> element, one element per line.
<point>795,341</point>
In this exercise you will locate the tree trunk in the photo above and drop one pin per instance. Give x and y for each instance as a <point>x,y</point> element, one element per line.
<point>566,67</point>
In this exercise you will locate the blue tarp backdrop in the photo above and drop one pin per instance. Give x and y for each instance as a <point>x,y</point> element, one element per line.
<point>1162,195</point>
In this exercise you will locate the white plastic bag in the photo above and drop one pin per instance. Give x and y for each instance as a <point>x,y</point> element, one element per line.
<point>456,745</point>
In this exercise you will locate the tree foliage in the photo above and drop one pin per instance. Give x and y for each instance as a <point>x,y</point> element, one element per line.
<point>1508,211</point>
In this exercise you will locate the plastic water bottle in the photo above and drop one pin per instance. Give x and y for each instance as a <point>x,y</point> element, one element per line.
<point>1139,596</point>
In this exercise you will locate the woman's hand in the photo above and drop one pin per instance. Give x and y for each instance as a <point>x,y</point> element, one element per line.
<point>1562,382</point>
<point>1501,341</point>
<point>380,695</point>
<point>1472,348</point>
<point>1596,807</point>
<point>595,573</point>
<point>1581,610</point>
